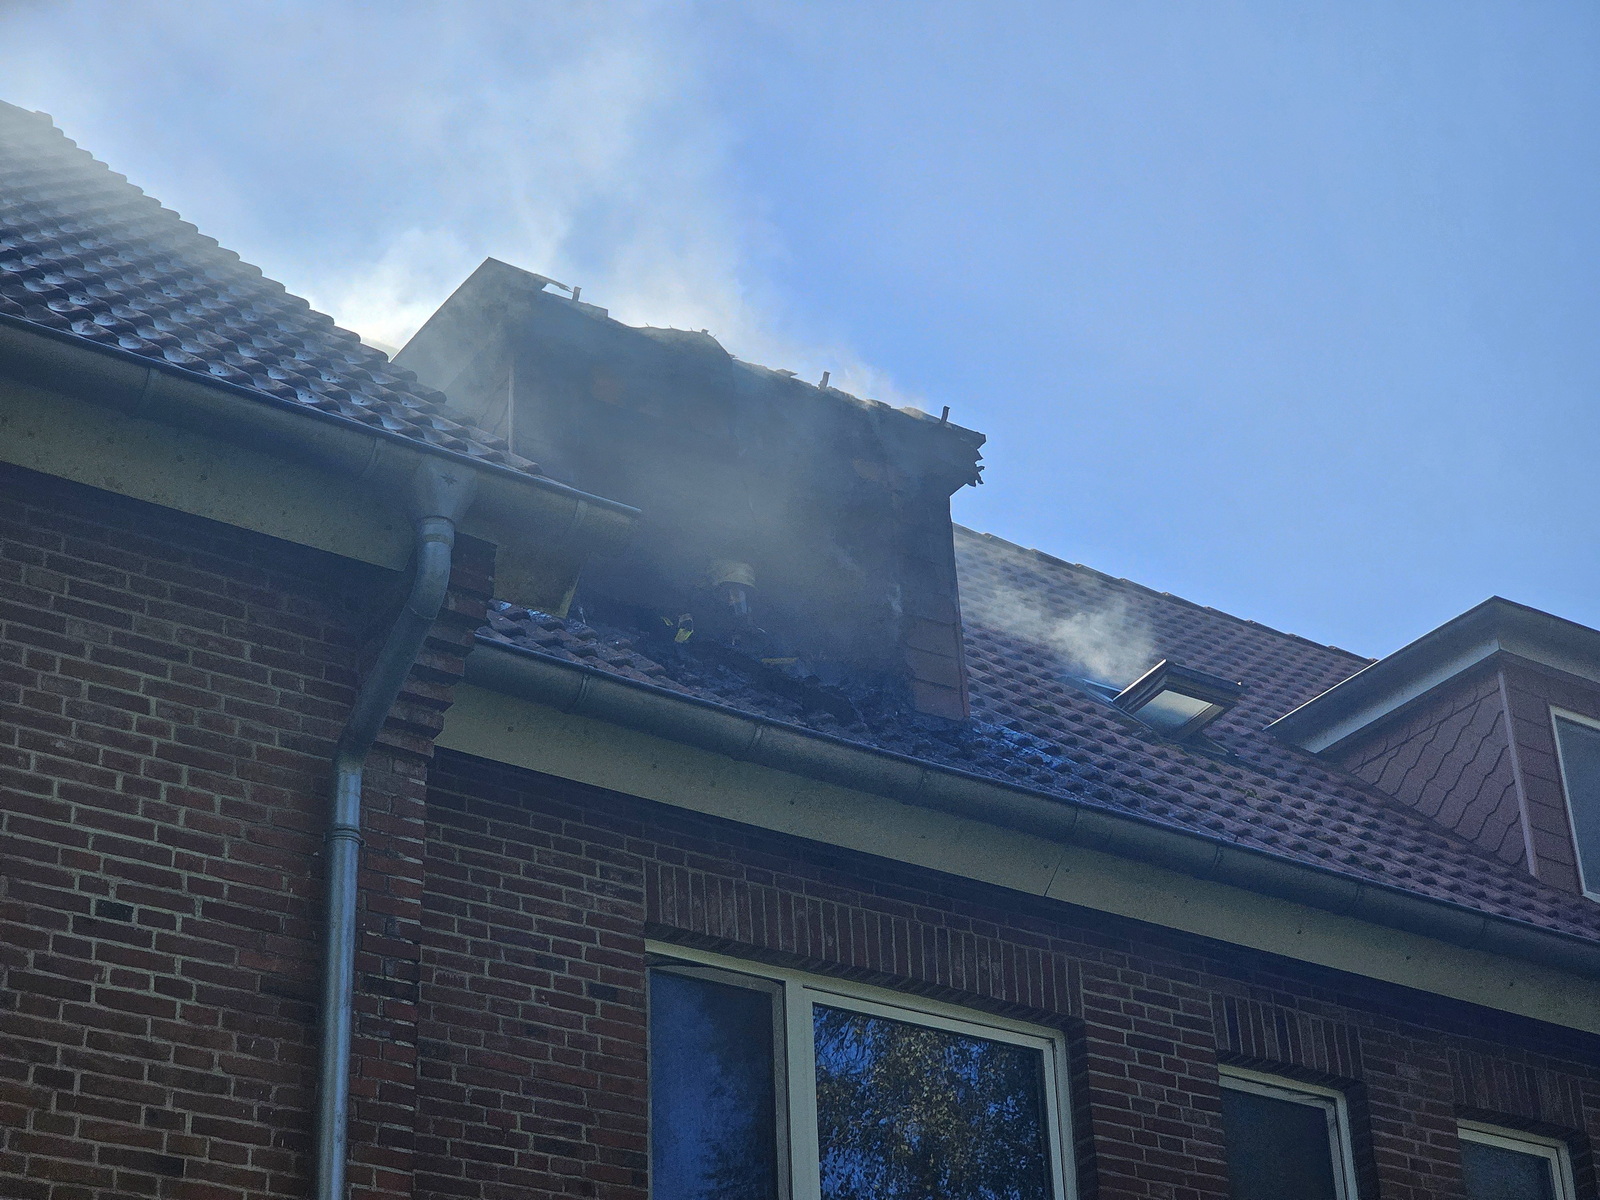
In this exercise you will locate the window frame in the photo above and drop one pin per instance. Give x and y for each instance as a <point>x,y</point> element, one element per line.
<point>794,1046</point>
<point>1552,1150</point>
<point>1557,715</point>
<point>1330,1100</point>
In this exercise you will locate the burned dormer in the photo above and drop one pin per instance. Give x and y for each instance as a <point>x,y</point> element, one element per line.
<point>794,523</point>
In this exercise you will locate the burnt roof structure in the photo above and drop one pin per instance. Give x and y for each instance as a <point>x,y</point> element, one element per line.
<point>829,513</point>
<point>1038,727</point>
<point>89,258</point>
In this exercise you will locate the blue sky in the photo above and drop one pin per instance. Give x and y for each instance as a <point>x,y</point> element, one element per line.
<point>1288,308</point>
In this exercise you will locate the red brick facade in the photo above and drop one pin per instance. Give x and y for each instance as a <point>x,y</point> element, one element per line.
<point>173,688</point>
<point>542,894</point>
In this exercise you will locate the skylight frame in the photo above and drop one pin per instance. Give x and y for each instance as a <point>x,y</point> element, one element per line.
<point>1215,692</point>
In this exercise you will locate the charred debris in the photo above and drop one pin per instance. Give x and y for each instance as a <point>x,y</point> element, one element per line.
<point>793,535</point>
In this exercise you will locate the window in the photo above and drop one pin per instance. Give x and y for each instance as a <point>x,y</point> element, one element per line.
<point>1177,700</point>
<point>1578,747</point>
<point>1500,1164</point>
<point>1285,1140</point>
<point>772,1085</point>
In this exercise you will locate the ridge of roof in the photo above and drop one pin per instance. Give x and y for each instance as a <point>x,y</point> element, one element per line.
<point>87,255</point>
<point>1147,590</point>
<point>1495,626</point>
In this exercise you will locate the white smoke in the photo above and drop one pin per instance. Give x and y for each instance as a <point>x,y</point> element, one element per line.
<point>1103,641</point>
<point>576,141</point>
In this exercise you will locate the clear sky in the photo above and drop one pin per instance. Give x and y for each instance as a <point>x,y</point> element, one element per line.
<point>1289,308</point>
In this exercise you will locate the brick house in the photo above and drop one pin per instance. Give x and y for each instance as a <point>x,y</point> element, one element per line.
<point>699,812</point>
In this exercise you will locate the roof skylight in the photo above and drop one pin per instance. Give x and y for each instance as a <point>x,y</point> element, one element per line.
<point>1178,701</point>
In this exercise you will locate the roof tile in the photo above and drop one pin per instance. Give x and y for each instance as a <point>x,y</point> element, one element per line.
<point>1034,725</point>
<point>84,252</point>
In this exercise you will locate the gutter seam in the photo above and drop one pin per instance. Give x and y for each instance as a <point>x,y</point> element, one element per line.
<point>146,391</point>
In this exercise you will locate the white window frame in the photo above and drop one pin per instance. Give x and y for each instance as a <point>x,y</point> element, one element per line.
<point>1552,1150</point>
<point>1591,890</point>
<point>796,1068</point>
<point>1330,1101</point>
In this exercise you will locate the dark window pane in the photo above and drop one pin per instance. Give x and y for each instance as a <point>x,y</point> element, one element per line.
<point>905,1112</point>
<point>1580,763</point>
<point>712,1099</point>
<point>1496,1173</point>
<point>1277,1149</point>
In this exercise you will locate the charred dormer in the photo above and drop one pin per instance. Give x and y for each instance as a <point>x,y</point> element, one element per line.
<point>791,522</point>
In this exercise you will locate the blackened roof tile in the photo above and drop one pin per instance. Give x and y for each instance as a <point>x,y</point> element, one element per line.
<point>1035,725</point>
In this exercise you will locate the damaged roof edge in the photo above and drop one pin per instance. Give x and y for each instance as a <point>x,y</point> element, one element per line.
<point>707,725</point>
<point>1461,643</point>
<point>136,386</point>
<point>480,307</point>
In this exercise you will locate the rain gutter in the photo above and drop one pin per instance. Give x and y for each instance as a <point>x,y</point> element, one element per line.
<point>440,487</point>
<point>508,501</point>
<point>720,729</point>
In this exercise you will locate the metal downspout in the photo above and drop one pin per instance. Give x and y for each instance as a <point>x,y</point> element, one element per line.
<point>442,494</point>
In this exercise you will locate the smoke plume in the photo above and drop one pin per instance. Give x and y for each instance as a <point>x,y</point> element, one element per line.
<point>1102,641</point>
<point>370,157</point>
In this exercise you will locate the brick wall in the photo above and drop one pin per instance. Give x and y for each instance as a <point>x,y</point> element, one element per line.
<point>172,688</point>
<point>541,894</point>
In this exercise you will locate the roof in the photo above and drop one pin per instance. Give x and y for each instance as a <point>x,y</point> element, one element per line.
<point>1497,626</point>
<point>88,255</point>
<point>1035,725</point>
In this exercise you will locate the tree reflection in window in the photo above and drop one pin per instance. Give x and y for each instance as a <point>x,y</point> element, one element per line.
<point>712,1118</point>
<point>911,1112</point>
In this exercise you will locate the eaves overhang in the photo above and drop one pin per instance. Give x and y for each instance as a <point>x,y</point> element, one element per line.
<point>1495,627</point>
<point>707,725</point>
<point>544,529</point>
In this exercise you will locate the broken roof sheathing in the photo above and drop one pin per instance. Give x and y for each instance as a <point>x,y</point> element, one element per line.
<point>498,294</point>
